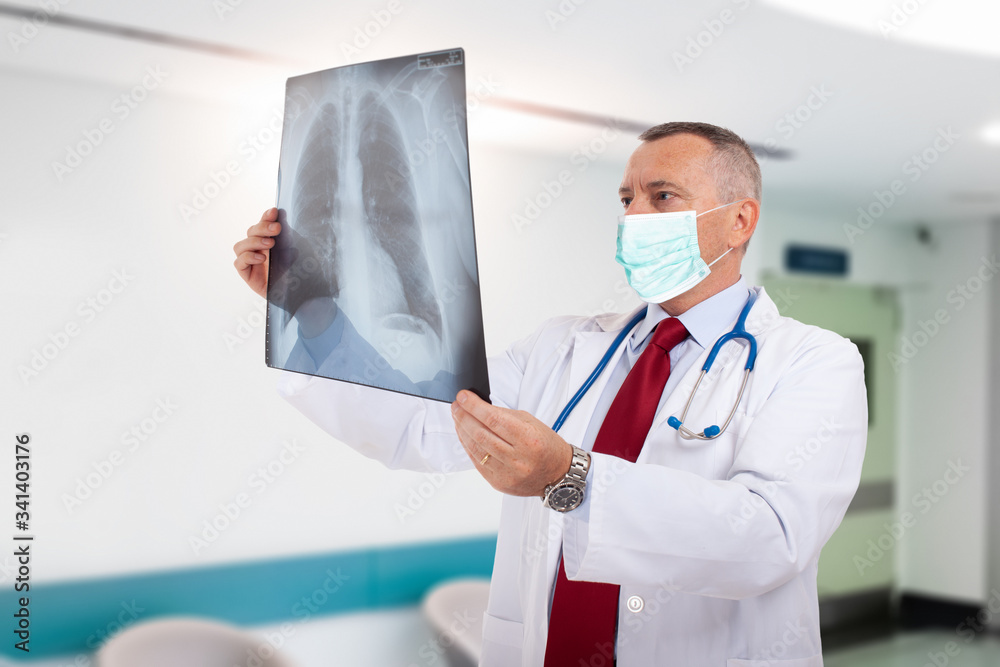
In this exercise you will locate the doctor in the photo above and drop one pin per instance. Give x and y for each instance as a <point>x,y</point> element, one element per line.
<point>623,539</point>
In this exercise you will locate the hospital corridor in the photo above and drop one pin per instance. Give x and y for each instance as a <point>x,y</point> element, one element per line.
<point>443,334</point>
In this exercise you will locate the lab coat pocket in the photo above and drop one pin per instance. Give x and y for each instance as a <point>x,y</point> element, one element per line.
<point>499,631</point>
<point>812,661</point>
<point>726,446</point>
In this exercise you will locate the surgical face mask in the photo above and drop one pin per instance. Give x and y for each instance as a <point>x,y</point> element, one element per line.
<point>660,253</point>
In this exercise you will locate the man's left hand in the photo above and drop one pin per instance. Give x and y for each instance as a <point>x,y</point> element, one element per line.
<point>525,455</point>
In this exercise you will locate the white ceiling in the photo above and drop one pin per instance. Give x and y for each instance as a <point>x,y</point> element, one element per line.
<point>889,96</point>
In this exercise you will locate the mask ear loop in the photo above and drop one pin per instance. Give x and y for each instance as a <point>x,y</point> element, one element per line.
<point>720,257</point>
<point>716,209</point>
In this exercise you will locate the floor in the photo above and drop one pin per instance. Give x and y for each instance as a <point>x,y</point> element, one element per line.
<point>936,648</point>
<point>400,638</point>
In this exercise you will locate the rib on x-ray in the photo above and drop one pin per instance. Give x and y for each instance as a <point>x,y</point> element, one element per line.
<point>373,278</point>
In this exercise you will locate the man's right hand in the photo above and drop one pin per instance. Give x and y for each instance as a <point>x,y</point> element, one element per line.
<point>253,253</point>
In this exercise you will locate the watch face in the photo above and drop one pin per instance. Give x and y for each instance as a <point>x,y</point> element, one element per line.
<point>565,497</point>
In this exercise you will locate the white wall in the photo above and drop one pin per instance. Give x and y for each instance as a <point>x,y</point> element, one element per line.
<point>945,391</point>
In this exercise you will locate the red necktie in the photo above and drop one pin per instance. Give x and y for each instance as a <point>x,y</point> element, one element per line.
<point>584,613</point>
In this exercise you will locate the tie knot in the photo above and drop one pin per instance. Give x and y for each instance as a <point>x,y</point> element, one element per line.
<point>669,333</point>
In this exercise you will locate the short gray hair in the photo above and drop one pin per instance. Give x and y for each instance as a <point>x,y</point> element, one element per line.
<point>737,173</point>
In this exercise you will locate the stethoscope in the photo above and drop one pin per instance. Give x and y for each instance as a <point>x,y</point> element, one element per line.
<point>738,331</point>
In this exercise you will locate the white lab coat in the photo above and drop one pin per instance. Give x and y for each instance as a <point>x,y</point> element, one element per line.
<point>717,541</point>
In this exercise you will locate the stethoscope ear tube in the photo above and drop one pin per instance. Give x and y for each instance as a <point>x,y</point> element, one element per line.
<point>561,419</point>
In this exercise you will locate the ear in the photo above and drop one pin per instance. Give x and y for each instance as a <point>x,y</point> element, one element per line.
<point>745,223</point>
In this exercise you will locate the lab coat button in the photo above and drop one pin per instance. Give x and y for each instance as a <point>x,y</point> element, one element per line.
<point>635,604</point>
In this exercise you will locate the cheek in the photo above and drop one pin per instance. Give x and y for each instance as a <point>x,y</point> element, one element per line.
<point>710,239</point>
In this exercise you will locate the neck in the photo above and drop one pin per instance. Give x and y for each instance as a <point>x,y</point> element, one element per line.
<point>704,290</point>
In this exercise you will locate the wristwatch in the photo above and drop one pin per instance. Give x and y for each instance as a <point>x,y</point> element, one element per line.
<point>567,493</point>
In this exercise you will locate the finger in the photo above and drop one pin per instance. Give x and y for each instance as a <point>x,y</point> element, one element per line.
<point>268,225</point>
<point>507,426</point>
<point>476,438</point>
<point>253,243</point>
<point>246,260</point>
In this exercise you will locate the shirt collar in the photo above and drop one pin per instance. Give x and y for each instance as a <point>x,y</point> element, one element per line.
<point>705,321</point>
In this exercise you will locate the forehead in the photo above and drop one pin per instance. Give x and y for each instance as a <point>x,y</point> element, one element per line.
<point>679,158</point>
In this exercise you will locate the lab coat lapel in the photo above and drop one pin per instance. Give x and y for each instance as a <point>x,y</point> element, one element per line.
<point>588,349</point>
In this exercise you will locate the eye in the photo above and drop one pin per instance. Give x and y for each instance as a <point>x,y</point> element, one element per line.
<point>663,196</point>
<point>626,201</point>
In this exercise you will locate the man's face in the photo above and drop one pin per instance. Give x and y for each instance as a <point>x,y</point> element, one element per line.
<point>671,174</point>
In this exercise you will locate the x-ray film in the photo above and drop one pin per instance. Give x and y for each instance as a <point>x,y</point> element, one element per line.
<point>373,278</point>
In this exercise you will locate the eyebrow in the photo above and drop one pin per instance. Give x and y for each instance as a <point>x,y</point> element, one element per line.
<point>653,185</point>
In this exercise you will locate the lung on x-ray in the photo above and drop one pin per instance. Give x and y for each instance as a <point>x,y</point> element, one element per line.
<point>373,278</point>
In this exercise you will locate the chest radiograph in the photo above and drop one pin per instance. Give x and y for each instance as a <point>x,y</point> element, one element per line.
<point>373,191</point>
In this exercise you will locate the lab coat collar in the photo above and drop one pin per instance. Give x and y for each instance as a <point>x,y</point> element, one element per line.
<point>617,321</point>
<point>705,321</point>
